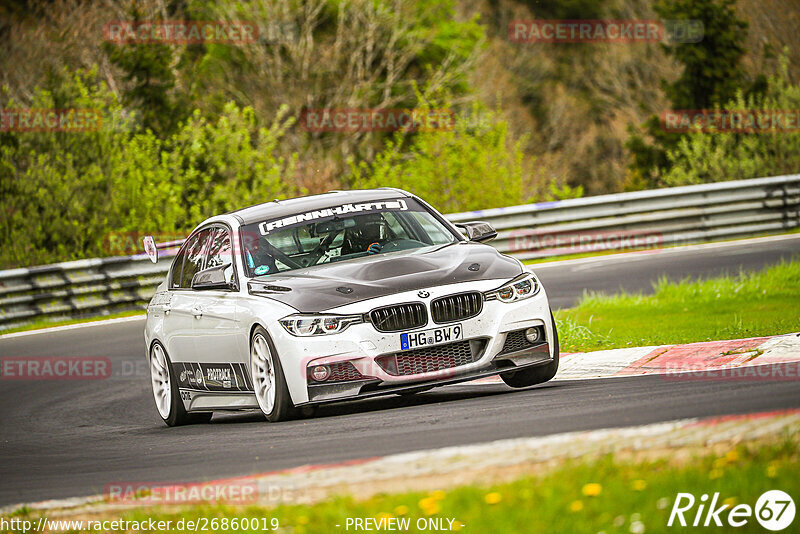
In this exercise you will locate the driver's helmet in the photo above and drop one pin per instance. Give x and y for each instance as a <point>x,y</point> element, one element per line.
<point>369,229</point>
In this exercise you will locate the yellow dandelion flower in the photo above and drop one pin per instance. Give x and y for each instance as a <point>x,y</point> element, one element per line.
<point>772,469</point>
<point>302,520</point>
<point>731,501</point>
<point>401,510</point>
<point>715,474</point>
<point>576,506</point>
<point>429,506</point>
<point>719,463</point>
<point>592,489</point>
<point>433,510</point>
<point>456,526</point>
<point>732,456</point>
<point>639,485</point>
<point>438,495</point>
<point>384,516</point>
<point>492,498</point>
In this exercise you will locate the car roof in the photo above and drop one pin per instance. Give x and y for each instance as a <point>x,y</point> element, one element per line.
<point>285,208</point>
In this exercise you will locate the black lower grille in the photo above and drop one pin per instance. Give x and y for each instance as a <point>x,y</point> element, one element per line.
<point>340,372</point>
<point>399,317</point>
<point>432,359</point>
<point>456,307</point>
<point>516,340</point>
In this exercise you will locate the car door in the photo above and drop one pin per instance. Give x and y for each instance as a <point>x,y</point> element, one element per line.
<point>179,314</point>
<point>216,331</point>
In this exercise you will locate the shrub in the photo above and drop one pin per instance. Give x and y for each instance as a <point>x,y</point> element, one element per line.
<point>469,167</point>
<point>64,192</point>
<point>716,157</point>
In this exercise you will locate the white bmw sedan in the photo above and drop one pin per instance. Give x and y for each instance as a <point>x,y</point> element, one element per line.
<point>340,296</point>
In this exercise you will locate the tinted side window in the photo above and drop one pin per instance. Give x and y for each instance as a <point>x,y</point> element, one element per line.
<point>219,252</point>
<point>177,267</point>
<point>194,256</point>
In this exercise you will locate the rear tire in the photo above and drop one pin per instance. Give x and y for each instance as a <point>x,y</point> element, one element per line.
<point>269,383</point>
<point>165,391</point>
<point>535,375</point>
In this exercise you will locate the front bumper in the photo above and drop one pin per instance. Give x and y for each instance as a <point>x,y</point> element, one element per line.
<point>362,389</point>
<point>363,347</point>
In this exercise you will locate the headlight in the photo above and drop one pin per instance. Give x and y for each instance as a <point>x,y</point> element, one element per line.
<point>318,325</point>
<point>522,287</point>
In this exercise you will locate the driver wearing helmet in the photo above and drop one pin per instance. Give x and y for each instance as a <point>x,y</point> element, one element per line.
<point>368,235</point>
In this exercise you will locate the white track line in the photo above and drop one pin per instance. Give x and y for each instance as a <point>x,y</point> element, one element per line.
<point>51,329</point>
<point>642,254</point>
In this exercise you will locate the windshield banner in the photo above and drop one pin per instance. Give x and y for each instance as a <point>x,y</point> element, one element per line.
<point>345,209</point>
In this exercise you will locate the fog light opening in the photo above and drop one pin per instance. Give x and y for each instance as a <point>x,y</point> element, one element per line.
<point>532,335</point>
<point>320,373</point>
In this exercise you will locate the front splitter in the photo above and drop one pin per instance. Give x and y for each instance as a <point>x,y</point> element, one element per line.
<point>347,391</point>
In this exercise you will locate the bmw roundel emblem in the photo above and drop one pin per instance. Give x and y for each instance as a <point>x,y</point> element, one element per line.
<point>423,294</point>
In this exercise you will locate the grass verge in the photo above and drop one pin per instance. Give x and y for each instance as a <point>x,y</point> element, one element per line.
<point>762,303</point>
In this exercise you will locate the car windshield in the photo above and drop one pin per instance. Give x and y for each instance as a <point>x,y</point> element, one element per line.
<point>340,233</point>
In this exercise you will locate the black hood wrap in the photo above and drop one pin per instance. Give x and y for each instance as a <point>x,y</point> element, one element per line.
<point>323,287</point>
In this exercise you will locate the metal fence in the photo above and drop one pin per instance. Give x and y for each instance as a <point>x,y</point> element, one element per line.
<point>642,219</point>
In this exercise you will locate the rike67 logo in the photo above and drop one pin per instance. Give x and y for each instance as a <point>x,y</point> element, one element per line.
<point>774,510</point>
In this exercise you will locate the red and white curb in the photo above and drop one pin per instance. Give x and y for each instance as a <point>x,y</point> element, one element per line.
<point>720,357</point>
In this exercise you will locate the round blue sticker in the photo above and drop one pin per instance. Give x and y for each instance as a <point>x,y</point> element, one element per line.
<point>261,269</point>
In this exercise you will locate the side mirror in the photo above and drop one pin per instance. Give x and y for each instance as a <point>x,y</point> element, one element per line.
<point>150,248</point>
<point>478,231</point>
<point>212,278</point>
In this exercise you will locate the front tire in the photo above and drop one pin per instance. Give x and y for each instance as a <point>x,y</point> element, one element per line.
<point>165,391</point>
<point>269,383</point>
<point>535,375</point>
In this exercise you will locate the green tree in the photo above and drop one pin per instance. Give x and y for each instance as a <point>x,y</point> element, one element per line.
<point>711,75</point>
<point>150,76</point>
<point>712,72</point>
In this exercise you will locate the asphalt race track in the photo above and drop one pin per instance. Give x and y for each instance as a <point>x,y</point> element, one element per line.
<point>566,282</point>
<point>71,438</point>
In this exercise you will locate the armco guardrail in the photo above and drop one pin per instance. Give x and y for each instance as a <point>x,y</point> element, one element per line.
<point>643,219</point>
<point>676,215</point>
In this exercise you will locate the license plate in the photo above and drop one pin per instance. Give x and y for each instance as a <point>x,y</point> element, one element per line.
<point>434,336</point>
